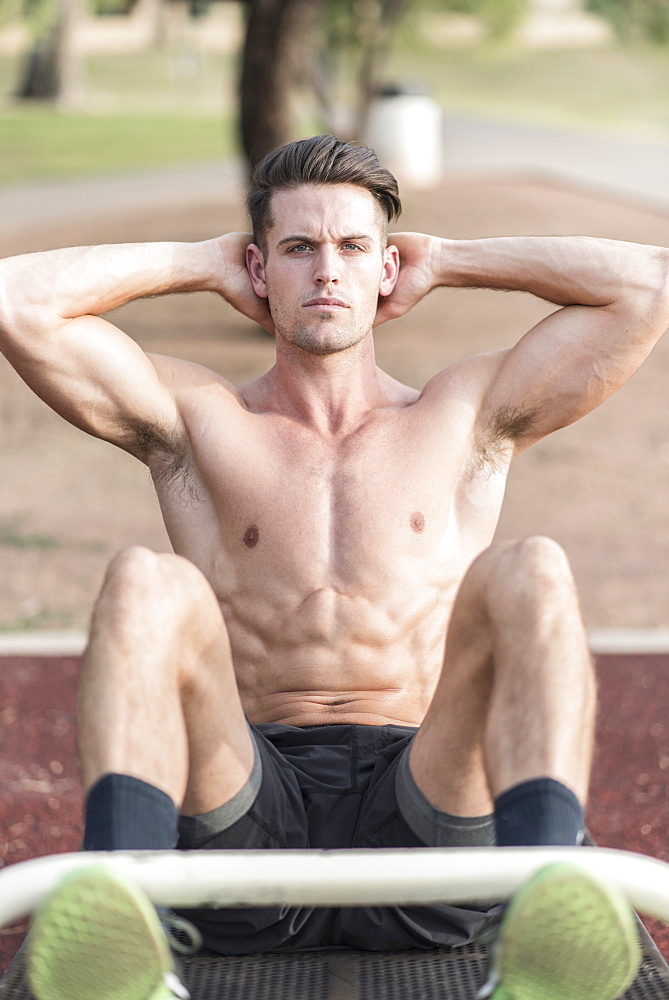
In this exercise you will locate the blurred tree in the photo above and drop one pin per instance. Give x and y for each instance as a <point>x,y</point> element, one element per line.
<point>500,17</point>
<point>635,20</point>
<point>336,49</point>
<point>277,33</point>
<point>106,8</point>
<point>355,40</point>
<point>10,12</point>
<point>151,13</point>
<point>291,42</point>
<point>51,71</point>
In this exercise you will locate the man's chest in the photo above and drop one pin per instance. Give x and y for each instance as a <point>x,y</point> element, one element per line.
<point>343,507</point>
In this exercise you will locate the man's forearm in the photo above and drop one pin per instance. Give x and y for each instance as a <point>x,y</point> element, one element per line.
<point>82,281</point>
<point>565,270</point>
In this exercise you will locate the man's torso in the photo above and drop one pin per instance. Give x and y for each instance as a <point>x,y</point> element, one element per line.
<point>335,557</point>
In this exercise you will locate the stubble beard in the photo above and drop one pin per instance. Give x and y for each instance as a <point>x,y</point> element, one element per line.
<point>334,342</point>
<point>329,335</point>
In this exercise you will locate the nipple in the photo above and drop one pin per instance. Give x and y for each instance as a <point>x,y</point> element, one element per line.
<point>251,536</point>
<point>417,522</point>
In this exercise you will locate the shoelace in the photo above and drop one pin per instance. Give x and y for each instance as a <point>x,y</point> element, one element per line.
<point>178,927</point>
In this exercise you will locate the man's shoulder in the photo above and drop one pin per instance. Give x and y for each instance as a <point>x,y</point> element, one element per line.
<point>467,379</point>
<point>192,382</point>
<point>195,391</point>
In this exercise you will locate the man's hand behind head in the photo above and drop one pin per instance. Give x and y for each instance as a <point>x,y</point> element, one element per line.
<point>419,259</point>
<point>234,282</point>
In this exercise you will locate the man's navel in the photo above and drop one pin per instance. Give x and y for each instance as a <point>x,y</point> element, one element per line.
<point>251,536</point>
<point>417,522</point>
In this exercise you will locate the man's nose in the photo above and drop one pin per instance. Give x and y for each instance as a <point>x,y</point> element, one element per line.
<point>326,270</point>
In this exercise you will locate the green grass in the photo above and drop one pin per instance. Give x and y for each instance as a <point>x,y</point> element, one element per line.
<point>139,110</point>
<point>39,143</point>
<point>18,540</point>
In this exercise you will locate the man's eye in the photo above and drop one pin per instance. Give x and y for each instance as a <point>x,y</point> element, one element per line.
<point>352,246</point>
<point>301,247</point>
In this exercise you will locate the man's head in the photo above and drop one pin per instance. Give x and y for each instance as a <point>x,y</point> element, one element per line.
<point>322,159</point>
<point>320,210</point>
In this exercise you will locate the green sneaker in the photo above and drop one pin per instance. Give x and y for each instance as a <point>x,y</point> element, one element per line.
<point>564,936</point>
<point>98,935</point>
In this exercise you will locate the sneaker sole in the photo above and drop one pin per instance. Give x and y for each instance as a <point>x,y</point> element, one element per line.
<point>98,935</point>
<point>567,936</point>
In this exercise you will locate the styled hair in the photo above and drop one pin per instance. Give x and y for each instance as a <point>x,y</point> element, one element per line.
<point>322,159</point>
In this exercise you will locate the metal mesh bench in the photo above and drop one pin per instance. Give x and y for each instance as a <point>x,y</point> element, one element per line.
<point>336,878</point>
<point>349,975</point>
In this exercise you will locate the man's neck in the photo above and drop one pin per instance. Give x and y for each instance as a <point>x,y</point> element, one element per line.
<point>331,393</point>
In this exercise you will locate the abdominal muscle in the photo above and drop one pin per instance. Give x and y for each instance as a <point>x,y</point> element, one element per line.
<point>334,659</point>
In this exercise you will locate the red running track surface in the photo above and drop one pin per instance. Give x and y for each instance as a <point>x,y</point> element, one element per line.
<point>41,797</point>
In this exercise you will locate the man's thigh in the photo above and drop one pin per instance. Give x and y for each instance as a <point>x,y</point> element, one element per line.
<point>447,759</point>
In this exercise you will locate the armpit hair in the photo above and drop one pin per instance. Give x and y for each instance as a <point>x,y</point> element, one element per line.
<point>167,458</point>
<point>507,425</point>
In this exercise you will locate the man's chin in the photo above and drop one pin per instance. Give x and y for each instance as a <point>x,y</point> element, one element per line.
<point>323,343</point>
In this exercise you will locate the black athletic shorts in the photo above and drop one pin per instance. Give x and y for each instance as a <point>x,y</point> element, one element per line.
<point>330,787</point>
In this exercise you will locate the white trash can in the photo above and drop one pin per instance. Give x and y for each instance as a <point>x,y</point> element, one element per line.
<point>404,128</point>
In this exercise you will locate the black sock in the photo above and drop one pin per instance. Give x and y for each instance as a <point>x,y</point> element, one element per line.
<point>127,814</point>
<point>538,812</point>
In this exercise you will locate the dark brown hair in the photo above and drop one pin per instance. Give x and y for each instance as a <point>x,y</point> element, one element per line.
<point>322,159</point>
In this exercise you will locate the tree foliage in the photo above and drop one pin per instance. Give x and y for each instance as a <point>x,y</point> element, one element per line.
<point>10,11</point>
<point>500,17</point>
<point>635,20</point>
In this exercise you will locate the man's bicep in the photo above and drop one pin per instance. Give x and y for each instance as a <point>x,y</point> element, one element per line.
<point>98,379</point>
<point>558,372</point>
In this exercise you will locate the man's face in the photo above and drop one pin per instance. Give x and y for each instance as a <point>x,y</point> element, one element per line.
<point>325,265</point>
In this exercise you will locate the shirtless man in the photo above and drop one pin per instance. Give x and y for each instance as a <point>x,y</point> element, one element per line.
<point>334,584</point>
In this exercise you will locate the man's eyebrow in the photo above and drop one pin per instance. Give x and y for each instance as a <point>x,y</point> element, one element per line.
<point>309,239</point>
<point>295,239</point>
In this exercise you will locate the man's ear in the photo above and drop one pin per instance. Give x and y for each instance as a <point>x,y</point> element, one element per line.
<point>391,270</point>
<point>255,265</point>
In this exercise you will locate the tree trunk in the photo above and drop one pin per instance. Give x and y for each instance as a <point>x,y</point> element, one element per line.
<point>377,21</point>
<point>51,71</point>
<point>276,36</point>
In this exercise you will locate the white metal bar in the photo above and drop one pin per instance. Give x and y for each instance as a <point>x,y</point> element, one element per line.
<point>43,643</point>
<point>337,878</point>
<point>629,641</point>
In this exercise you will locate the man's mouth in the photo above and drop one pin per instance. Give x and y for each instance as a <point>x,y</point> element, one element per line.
<point>323,304</point>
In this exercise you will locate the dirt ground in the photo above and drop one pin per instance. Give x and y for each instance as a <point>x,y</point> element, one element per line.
<point>601,487</point>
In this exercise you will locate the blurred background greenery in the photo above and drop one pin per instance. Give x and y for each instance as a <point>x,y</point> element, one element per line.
<point>91,86</point>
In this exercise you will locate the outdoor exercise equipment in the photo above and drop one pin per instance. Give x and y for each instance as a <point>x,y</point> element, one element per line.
<point>343,878</point>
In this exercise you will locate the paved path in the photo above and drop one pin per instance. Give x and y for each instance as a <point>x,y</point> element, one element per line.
<point>604,164</point>
<point>33,206</point>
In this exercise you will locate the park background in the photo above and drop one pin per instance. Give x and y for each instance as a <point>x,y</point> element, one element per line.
<point>554,120</point>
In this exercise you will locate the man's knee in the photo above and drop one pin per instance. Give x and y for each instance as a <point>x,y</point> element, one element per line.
<point>153,585</point>
<point>534,569</point>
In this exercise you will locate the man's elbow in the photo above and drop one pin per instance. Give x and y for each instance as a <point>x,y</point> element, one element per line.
<point>645,295</point>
